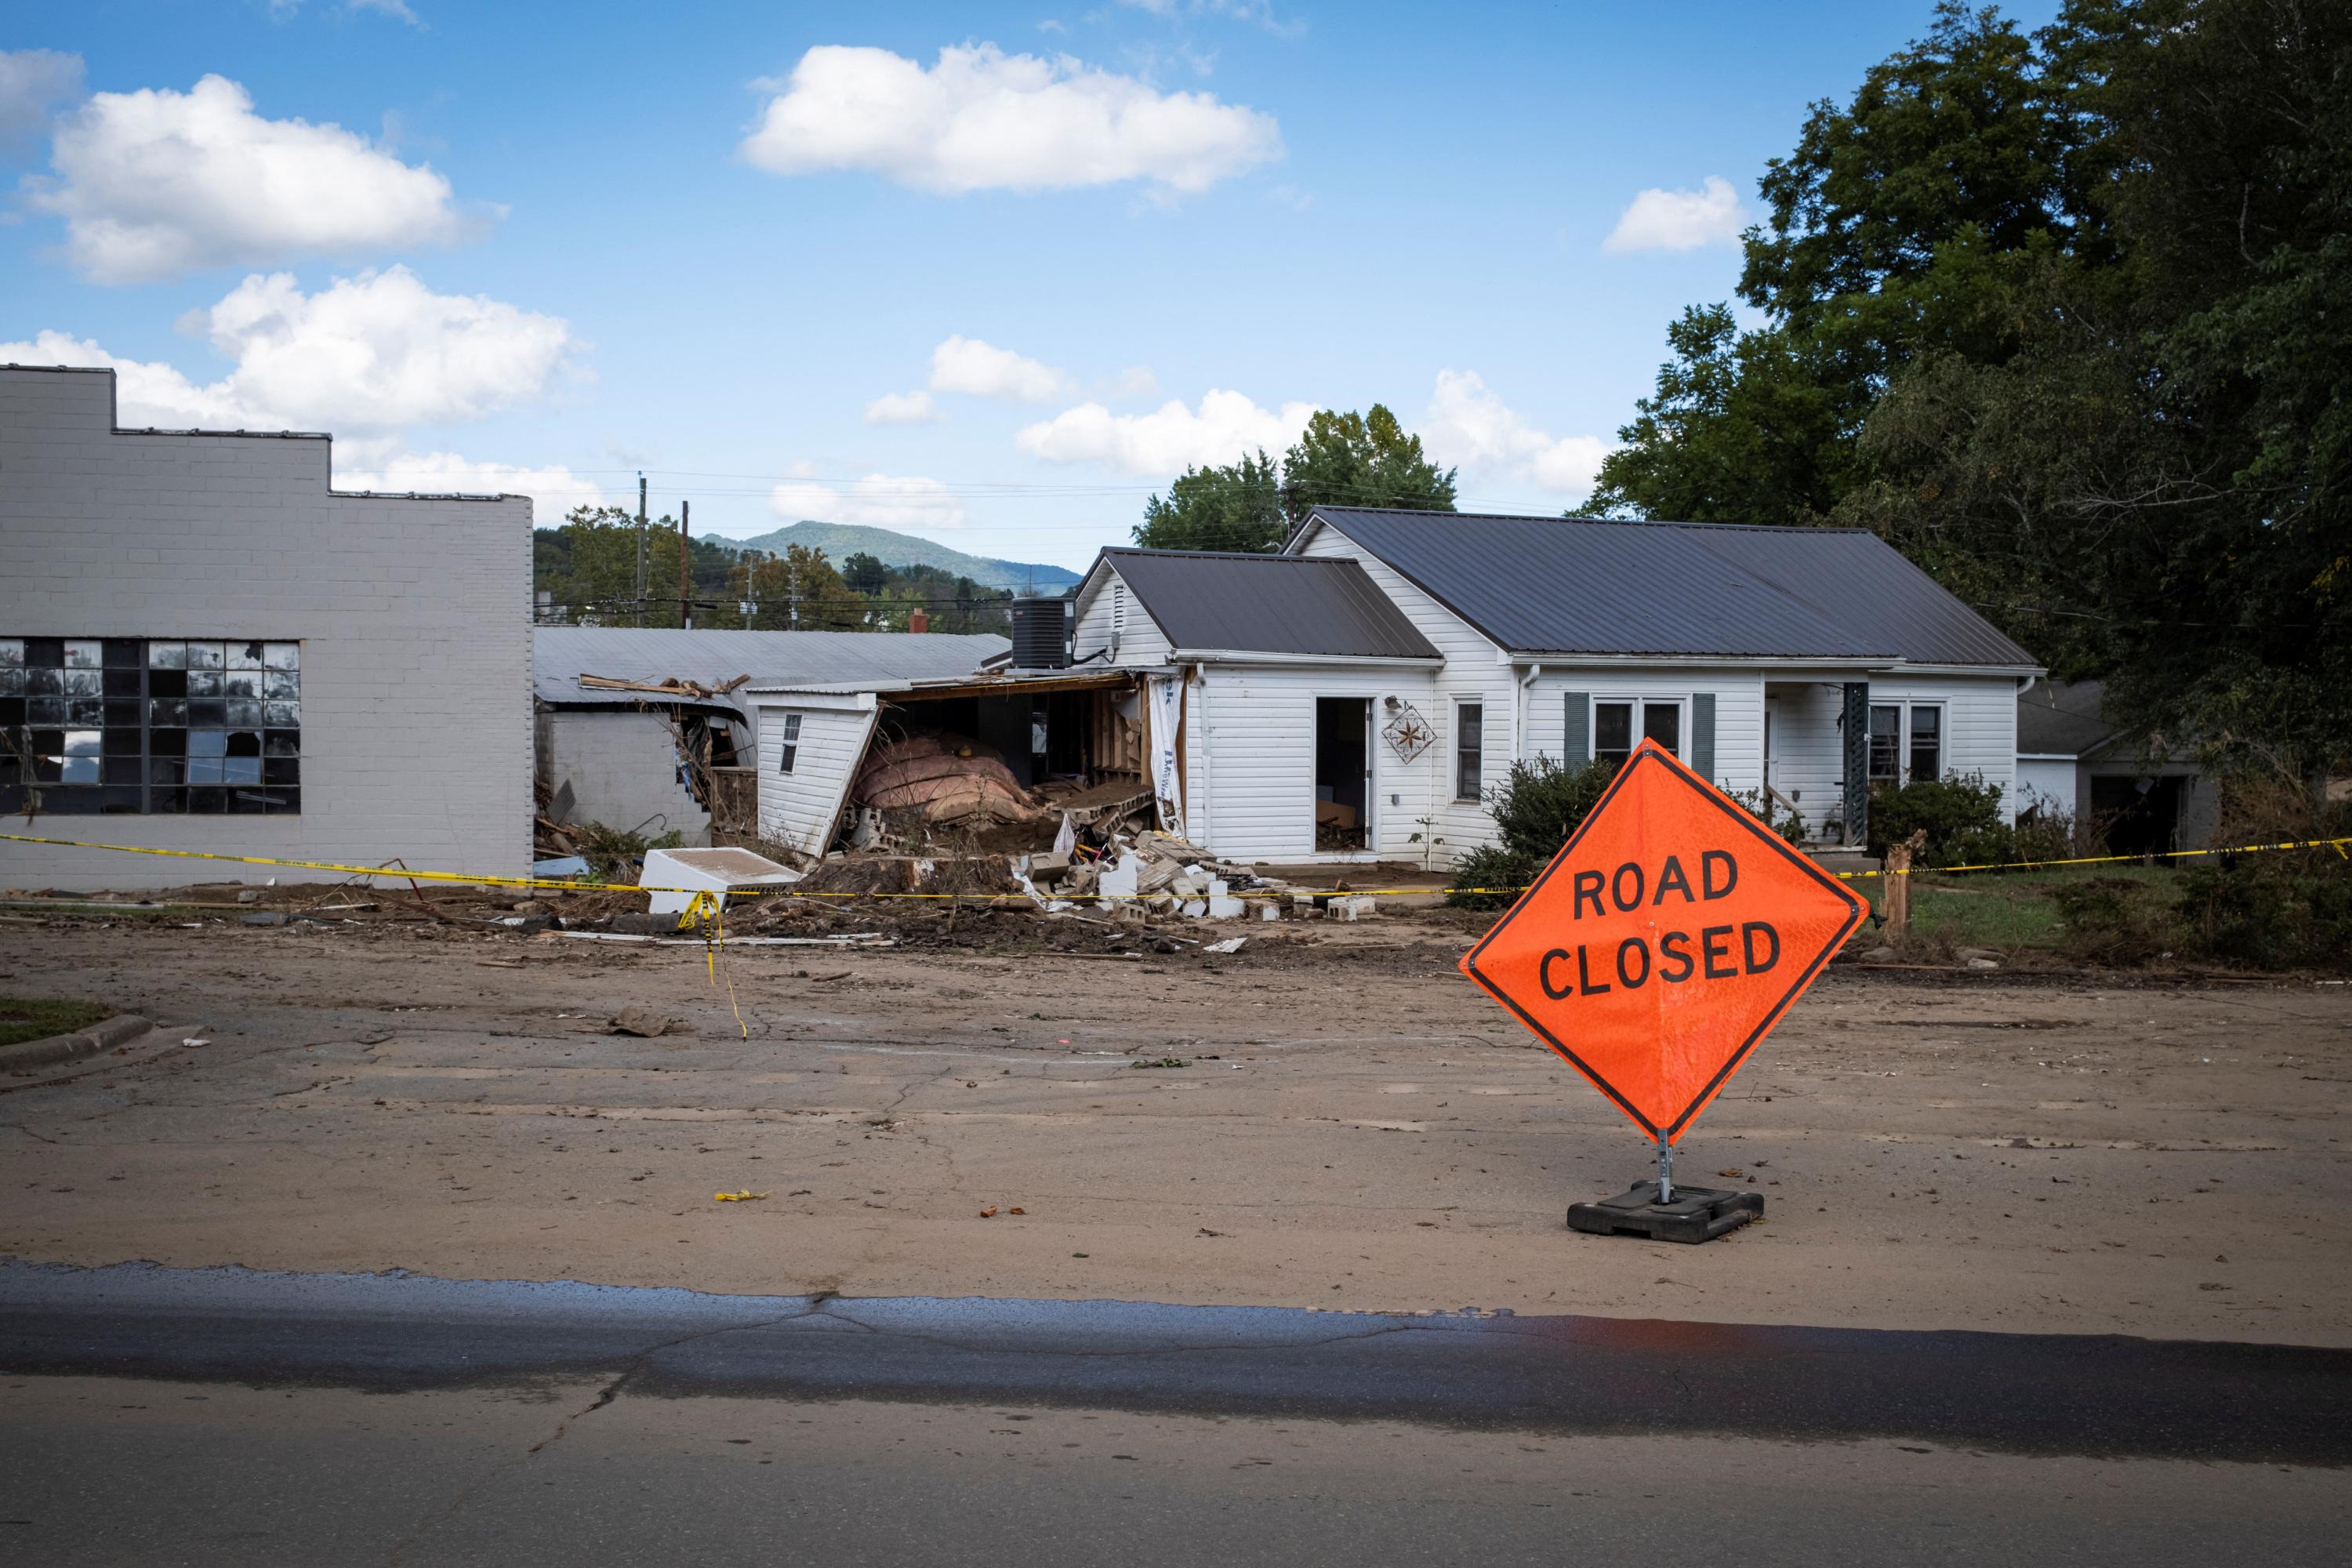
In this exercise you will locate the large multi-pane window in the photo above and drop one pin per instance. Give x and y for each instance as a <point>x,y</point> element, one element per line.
<point>1613,727</point>
<point>138,726</point>
<point>1899,754</point>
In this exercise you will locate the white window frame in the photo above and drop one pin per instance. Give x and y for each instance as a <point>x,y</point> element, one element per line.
<point>1641,703</point>
<point>1454,751</point>
<point>1905,707</point>
<point>1911,706</point>
<point>788,741</point>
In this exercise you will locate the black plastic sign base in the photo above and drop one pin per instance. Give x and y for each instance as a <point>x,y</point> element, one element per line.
<point>1696,1213</point>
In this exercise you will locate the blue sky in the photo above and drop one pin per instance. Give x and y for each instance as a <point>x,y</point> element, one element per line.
<point>550,246</point>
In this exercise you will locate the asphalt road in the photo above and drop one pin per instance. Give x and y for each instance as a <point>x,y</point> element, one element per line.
<point>219,1416</point>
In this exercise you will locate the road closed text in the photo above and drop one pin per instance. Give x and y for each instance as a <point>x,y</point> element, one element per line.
<point>1724,951</point>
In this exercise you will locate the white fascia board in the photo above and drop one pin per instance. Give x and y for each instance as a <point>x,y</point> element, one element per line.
<point>830,699</point>
<point>1798,669</point>
<point>1240,656</point>
<point>2045,756</point>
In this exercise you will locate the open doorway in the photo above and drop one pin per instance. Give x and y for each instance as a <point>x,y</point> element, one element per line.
<point>2141,815</point>
<point>1343,773</point>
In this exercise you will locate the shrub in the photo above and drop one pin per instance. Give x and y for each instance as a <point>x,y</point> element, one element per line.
<point>2113,920</point>
<point>2279,911</point>
<point>614,856</point>
<point>1790,828</point>
<point>2049,835</point>
<point>1535,807</point>
<point>1962,816</point>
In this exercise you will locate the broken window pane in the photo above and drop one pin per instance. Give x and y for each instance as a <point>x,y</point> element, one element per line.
<point>125,725</point>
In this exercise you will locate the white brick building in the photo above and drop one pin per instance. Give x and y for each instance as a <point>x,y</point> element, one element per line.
<point>203,646</point>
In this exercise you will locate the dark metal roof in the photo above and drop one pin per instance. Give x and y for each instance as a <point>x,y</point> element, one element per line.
<point>2062,719</point>
<point>1269,603</point>
<point>1549,584</point>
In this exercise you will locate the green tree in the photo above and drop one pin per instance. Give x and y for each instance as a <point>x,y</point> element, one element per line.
<point>2066,320</point>
<point>1361,459</point>
<point>1235,507</point>
<point>1340,459</point>
<point>800,591</point>
<point>1899,226</point>
<point>864,572</point>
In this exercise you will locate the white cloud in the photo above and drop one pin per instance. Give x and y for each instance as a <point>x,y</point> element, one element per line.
<point>553,491</point>
<point>983,370</point>
<point>146,391</point>
<point>1468,426</point>
<point>1258,11</point>
<point>1680,220</point>
<point>396,9</point>
<point>877,500</point>
<point>369,354</point>
<point>1226,428</point>
<point>1135,380</point>
<point>983,120</point>
<point>30,81</point>
<point>155,182</point>
<point>901,408</point>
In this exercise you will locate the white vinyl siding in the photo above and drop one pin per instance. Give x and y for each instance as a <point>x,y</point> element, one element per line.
<point>1259,735</point>
<point>1473,671</point>
<point>1980,724</point>
<point>1738,712</point>
<point>799,807</point>
<point>1113,606</point>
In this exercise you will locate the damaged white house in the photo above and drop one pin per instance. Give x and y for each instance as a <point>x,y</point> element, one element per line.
<point>647,729</point>
<point>1358,696</point>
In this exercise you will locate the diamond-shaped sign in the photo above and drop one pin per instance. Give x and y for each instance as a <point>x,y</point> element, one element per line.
<point>1663,942</point>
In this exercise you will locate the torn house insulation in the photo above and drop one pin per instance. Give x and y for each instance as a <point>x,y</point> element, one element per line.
<point>652,731</point>
<point>988,763</point>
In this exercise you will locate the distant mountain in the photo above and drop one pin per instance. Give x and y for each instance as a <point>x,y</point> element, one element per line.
<point>840,540</point>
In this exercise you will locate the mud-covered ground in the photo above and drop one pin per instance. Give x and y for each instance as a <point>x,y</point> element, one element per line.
<point>1355,1126</point>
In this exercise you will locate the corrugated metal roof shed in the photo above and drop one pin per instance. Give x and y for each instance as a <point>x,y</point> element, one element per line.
<point>561,655</point>
<point>1269,603</point>
<point>1571,585</point>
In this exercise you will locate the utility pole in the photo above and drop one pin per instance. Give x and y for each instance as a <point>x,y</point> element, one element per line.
<point>684,584</point>
<point>641,550</point>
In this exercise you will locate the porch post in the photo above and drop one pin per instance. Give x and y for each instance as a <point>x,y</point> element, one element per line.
<point>1857,762</point>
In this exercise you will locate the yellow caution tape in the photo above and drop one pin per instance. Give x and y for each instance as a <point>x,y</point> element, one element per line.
<point>706,906</point>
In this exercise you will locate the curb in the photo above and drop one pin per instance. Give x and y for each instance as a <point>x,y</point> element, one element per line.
<point>67,1048</point>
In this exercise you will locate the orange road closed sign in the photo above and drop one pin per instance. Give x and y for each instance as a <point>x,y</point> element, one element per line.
<point>1663,942</point>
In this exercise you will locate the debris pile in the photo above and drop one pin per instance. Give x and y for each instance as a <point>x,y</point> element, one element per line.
<point>1162,874</point>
